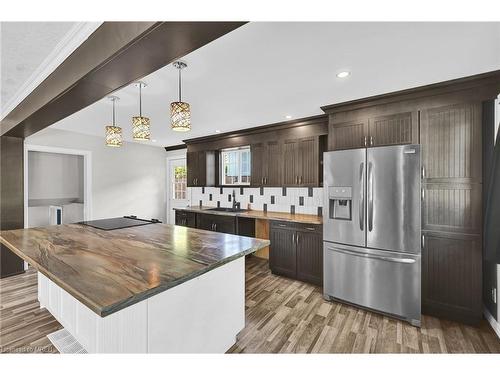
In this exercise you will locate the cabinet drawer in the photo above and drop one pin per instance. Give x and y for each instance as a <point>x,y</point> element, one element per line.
<point>283,224</point>
<point>310,228</point>
<point>217,223</point>
<point>184,218</point>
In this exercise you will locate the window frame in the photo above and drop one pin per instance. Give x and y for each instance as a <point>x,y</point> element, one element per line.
<point>240,150</point>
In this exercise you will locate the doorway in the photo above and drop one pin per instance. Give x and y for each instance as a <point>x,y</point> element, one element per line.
<point>57,185</point>
<point>177,195</point>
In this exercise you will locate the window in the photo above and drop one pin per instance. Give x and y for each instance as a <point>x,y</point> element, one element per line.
<point>235,166</point>
<point>179,182</point>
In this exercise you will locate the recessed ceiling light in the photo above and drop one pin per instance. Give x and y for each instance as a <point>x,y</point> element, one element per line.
<point>217,131</point>
<point>154,140</point>
<point>343,74</point>
<point>288,117</point>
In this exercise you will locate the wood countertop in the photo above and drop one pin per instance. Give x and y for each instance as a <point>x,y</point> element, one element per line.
<point>265,215</point>
<point>110,270</point>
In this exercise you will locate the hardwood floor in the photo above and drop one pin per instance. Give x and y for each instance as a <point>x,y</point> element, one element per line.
<point>282,316</point>
<point>23,325</point>
<point>288,316</point>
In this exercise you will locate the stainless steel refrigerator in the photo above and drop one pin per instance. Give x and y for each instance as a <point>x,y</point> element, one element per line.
<point>371,229</point>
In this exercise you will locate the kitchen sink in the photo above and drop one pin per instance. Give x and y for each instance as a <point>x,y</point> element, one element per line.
<point>226,209</point>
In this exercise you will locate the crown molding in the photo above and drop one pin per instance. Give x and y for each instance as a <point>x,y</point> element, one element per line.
<point>73,38</point>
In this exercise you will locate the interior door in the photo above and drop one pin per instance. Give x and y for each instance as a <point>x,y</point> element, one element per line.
<point>393,198</point>
<point>177,183</point>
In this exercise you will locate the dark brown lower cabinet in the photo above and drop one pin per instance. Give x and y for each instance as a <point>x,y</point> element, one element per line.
<point>216,223</point>
<point>310,256</point>
<point>185,218</point>
<point>451,276</point>
<point>296,251</point>
<point>283,252</point>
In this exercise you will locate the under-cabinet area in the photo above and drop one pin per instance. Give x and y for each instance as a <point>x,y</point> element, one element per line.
<point>296,249</point>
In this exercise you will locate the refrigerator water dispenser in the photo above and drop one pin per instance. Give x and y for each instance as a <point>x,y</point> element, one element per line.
<point>340,202</point>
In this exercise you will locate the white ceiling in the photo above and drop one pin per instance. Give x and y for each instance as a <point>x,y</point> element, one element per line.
<point>30,51</point>
<point>262,72</point>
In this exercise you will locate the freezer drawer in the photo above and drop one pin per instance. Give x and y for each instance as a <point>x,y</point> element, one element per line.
<point>385,281</point>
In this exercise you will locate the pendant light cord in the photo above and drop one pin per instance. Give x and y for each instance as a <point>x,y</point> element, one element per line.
<point>140,99</point>
<point>114,112</point>
<point>180,88</point>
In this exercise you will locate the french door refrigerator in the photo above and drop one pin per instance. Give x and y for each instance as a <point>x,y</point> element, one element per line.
<point>371,229</point>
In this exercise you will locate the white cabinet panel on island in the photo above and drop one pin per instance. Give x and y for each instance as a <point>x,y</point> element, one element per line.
<point>202,315</point>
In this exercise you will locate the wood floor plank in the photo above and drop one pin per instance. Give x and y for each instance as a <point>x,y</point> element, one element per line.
<point>282,316</point>
<point>317,326</point>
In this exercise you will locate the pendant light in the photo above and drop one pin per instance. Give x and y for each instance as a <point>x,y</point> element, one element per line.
<point>180,111</point>
<point>113,132</point>
<point>140,124</point>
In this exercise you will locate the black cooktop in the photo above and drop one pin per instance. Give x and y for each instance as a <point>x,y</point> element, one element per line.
<point>118,222</point>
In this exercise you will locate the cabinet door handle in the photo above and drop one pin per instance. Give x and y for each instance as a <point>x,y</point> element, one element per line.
<point>310,228</point>
<point>423,241</point>
<point>297,238</point>
<point>423,194</point>
<point>262,181</point>
<point>293,238</point>
<point>423,172</point>
<point>215,227</point>
<point>364,141</point>
<point>371,140</point>
<point>265,180</point>
<point>297,180</point>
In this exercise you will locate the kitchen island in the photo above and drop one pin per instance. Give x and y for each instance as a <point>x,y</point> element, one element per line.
<point>149,289</point>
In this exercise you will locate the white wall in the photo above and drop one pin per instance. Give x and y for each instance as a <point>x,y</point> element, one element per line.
<point>127,180</point>
<point>55,176</point>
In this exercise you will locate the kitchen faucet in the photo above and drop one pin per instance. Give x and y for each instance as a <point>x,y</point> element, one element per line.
<point>236,205</point>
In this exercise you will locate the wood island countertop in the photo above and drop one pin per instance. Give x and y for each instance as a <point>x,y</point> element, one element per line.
<point>263,215</point>
<point>110,270</point>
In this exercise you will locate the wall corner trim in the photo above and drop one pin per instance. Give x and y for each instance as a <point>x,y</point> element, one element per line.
<point>493,323</point>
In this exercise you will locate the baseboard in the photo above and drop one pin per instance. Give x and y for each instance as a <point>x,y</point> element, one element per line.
<point>493,323</point>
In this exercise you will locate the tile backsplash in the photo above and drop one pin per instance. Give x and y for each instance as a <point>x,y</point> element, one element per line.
<point>293,200</point>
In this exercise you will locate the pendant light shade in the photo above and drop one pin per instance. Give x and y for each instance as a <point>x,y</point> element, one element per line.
<point>180,112</point>
<point>140,124</point>
<point>113,132</point>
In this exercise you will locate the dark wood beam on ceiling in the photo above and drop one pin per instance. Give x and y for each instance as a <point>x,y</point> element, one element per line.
<point>115,55</point>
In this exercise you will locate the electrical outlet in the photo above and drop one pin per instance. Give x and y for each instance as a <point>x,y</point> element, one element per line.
<point>494,295</point>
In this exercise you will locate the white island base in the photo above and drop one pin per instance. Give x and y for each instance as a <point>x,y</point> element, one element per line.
<point>202,315</point>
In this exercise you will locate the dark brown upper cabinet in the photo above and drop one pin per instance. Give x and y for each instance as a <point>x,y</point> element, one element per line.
<point>301,162</point>
<point>393,129</point>
<point>384,130</point>
<point>347,135</point>
<point>267,162</point>
<point>200,168</point>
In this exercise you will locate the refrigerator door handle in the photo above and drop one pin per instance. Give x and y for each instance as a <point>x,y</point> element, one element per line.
<point>362,196</point>
<point>370,196</point>
<point>380,257</point>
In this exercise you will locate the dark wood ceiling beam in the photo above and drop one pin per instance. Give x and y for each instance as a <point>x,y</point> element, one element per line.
<point>115,55</point>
